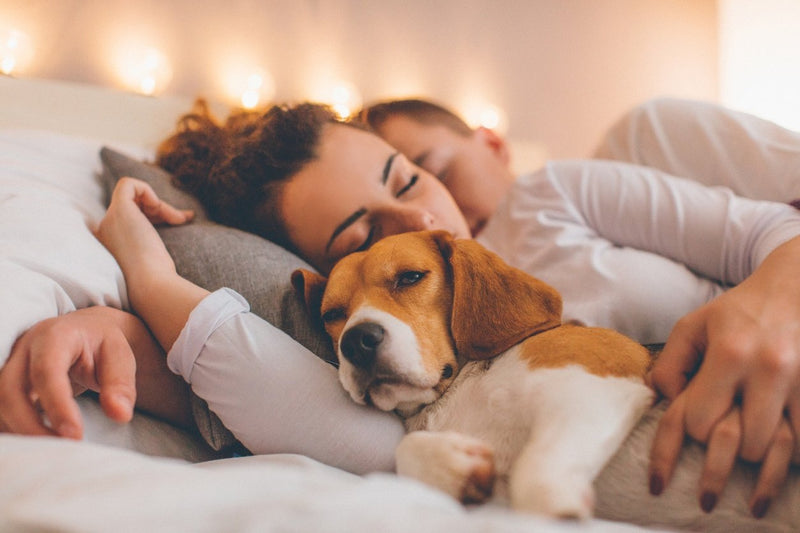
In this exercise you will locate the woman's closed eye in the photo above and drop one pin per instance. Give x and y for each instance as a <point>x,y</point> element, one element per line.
<point>373,234</point>
<point>411,183</point>
<point>368,241</point>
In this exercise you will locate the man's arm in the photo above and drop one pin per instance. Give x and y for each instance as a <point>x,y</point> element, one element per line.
<point>710,144</point>
<point>97,348</point>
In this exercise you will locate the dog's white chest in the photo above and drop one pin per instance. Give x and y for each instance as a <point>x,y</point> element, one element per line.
<point>488,400</point>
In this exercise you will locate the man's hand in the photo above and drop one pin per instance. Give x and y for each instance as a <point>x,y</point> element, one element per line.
<point>59,358</point>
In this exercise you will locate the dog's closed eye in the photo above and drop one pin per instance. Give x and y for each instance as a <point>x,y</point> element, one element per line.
<point>332,315</point>
<point>409,277</point>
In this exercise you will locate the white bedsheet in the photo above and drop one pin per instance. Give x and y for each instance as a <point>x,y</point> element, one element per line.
<point>51,484</point>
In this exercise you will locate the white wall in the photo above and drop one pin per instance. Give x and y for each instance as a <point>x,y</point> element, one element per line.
<point>760,58</point>
<point>562,70</point>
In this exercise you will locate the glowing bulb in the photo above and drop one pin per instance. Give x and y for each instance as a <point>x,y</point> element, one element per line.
<point>15,51</point>
<point>250,99</point>
<point>7,66</point>
<point>147,85</point>
<point>343,97</point>
<point>256,89</point>
<point>490,118</point>
<point>146,71</point>
<point>487,116</point>
<point>244,85</point>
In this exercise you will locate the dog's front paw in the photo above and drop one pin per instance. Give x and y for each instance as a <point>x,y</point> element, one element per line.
<point>460,465</point>
<point>563,497</point>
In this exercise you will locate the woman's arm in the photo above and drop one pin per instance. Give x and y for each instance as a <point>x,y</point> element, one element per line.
<point>157,293</point>
<point>273,394</point>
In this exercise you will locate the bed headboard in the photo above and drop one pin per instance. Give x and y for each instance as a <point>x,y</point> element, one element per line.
<point>120,117</point>
<point>89,111</point>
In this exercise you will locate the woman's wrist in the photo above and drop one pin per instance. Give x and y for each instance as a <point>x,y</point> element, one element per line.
<point>776,276</point>
<point>164,300</point>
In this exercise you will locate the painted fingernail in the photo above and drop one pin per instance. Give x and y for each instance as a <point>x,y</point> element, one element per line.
<point>708,501</point>
<point>656,484</point>
<point>760,507</point>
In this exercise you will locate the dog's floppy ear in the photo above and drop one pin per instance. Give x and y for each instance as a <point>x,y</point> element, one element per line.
<point>310,286</point>
<point>495,305</point>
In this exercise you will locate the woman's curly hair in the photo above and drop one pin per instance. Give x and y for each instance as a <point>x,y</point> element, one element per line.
<point>237,168</point>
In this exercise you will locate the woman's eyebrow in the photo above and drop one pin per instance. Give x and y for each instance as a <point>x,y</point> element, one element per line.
<point>387,167</point>
<point>343,226</point>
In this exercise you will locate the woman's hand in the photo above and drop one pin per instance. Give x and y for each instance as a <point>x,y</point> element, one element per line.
<point>723,445</point>
<point>732,371</point>
<point>161,297</point>
<point>128,233</point>
<point>59,358</point>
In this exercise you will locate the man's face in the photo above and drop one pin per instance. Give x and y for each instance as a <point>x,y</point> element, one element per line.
<point>474,168</point>
<point>358,190</point>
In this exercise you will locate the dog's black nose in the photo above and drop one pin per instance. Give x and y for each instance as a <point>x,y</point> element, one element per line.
<point>360,343</point>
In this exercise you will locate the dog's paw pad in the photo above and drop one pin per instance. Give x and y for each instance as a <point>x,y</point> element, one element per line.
<point>479,473</point>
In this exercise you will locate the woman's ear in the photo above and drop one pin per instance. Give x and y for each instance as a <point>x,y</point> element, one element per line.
<point>495,305</point>
<point>496,142</point>
<point>310,286</point>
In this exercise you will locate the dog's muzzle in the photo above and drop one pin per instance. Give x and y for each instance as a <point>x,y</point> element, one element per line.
<point>360,344</point>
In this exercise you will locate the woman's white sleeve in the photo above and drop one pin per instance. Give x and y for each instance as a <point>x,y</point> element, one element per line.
<point>709,229</point>
<point>273,394</point>
<point>710,144</point>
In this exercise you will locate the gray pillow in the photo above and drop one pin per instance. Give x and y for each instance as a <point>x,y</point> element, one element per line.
<point>213,256</point>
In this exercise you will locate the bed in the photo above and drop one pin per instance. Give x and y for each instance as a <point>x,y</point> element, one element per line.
<point>61,145</point>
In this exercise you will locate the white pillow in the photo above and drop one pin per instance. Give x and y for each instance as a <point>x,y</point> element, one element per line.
<point>51,263</point>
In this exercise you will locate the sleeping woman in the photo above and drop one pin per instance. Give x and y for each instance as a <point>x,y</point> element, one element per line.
<point>324,189</point>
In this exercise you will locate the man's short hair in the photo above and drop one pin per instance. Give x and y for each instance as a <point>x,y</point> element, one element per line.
<point>422,111</point>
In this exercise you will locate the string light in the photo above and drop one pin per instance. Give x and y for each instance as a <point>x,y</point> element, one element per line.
<point>250,96</point>
<point>259,87</point>
<point>16,51</point>
<point>486,116</point>
<point>343,97</point>
<point>240,83</point>
<point>144,70</point>
<point>155,72</point>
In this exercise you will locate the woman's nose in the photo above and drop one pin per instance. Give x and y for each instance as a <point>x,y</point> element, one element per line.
<point>409,218</point>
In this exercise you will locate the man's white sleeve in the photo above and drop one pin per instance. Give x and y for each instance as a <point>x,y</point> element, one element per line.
<point>709,229</point>
<point>273,394</point>
<point>710,144</point>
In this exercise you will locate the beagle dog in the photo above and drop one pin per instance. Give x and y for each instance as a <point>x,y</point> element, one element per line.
<point>500,397</point>
<point>473,355</point>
